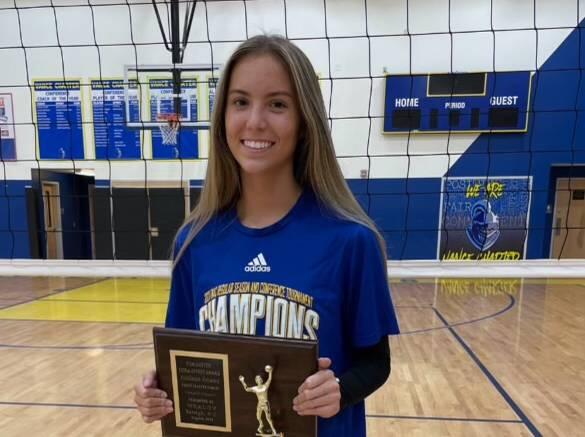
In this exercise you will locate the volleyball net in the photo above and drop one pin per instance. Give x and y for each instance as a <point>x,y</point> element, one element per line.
<point>459,126</point>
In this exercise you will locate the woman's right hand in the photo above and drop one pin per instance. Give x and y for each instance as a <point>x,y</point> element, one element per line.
<point>150,401</point>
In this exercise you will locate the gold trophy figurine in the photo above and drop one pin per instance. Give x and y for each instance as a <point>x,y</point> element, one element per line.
<point>261,392</point>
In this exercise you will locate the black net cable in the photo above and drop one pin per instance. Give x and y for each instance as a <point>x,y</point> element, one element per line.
<point>105,120</point>
<point>329,77</point>
<point>68,117</point>
<point>246,18</point>
<point>143,158</point>
<point>531,116</point>
<point>573,140</point>
<point>494,87</point>
<point>444,193</point>
<point>285,20</point>
<point>368,192</point>
<point>32,115</point>
<point>408,137</point>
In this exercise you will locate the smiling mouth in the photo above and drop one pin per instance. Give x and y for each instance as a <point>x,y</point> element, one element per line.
<point>256,144</point>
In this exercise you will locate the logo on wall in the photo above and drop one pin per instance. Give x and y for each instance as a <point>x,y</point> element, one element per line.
<point>484,229</point>
<point>484,218</point>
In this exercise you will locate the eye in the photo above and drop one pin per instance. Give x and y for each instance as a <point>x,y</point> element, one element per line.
<point>278,104</point>
<point>239,102</point>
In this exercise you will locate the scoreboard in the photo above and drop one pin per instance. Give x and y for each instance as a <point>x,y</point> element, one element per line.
<point>458,102</point>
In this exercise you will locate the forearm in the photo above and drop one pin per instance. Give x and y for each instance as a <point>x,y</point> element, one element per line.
<point>369,371</point>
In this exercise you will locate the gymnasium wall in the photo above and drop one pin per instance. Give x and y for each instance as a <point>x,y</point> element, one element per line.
<point>398,178</point>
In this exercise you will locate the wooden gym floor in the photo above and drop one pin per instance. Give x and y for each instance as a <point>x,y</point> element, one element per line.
<point>475,358</point>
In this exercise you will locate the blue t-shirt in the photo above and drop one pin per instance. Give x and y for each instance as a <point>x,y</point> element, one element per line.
<point>309,276</point>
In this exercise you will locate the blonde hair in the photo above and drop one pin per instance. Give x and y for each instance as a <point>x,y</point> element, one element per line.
<point>315,164</point>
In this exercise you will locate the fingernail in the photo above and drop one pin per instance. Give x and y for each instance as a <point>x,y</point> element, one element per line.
<point>169,404</point>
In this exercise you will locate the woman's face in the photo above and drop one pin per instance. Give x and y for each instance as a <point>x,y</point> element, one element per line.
<point>262,116</point>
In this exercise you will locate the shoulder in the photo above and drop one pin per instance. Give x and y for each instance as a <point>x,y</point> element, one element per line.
<point>359,237</point>
<point>209,233</point>
<point>344,230</point>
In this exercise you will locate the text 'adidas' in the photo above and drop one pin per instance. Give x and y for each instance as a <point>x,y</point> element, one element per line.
<point>258,264</point>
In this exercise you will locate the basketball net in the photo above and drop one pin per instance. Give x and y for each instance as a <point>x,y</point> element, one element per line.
<point>169,129</point>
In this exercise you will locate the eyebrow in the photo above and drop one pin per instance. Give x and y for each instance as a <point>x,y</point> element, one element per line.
<point>275,93</point>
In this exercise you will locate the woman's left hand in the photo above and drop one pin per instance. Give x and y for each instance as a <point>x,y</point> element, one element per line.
<point>320,394</point>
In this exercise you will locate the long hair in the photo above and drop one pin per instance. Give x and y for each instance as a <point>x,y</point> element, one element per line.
<point>315,164</point>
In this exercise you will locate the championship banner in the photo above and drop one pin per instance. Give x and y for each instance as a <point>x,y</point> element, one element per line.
<point>161,103</point>
<point>59,120</point>
<point>113,139</point>
<point>7,137</point>
<point>484,218</point>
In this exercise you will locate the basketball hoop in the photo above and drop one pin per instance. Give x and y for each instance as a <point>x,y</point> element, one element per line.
<point>169,128</point>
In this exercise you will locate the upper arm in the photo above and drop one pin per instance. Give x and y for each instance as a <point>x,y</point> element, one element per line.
<point>369,312</point>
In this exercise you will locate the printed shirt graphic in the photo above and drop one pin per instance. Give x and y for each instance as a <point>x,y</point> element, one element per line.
<point>309,276</point>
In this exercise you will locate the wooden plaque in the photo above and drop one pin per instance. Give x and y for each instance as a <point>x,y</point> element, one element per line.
<point>221,383</point>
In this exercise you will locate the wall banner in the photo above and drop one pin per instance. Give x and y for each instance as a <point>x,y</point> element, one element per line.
<point>7,136</point>
<point>58,109</point>
<point>484,218</point>
<point>113,139</point>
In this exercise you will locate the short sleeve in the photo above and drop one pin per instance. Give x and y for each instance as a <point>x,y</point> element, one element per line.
<point>181,310</point>
<point>369,311</point>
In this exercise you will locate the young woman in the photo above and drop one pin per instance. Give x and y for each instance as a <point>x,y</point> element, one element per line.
<point>276,213</point>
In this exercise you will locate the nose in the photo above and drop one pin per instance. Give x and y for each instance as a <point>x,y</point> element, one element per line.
<point>256,118</point>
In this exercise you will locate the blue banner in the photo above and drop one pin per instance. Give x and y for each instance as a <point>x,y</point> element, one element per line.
<point>113,139</point>
<point>484,218</point>
<point>7,135</point>
<point>161,104</point>
<point>59,120</point>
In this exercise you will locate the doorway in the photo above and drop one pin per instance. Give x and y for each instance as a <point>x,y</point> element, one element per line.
<point>144,220</point>
<point>52,213</point>
<point>568,230</point>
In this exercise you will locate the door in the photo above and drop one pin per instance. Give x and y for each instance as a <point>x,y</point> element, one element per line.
<point>568,233</point>
<point>52,214</point>
<point>131,223</point>
<point>167,212</point>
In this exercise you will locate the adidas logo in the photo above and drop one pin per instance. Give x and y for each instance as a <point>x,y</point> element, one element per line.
<point>258,264</point>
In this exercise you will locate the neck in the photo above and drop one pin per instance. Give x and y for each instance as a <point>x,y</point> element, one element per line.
<point>266,200</point>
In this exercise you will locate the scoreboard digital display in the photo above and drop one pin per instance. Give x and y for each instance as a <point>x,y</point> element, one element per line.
<point>459,102</point>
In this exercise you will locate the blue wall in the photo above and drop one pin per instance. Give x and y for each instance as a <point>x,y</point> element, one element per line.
<point>407,211</point>
<point>555,137</point>
<point>14,242</point>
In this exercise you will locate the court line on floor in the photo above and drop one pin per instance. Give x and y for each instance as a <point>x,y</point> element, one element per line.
<point>54,292</point>
<point>66,405</point>
<point>452,419</point>
<point>515,407</point>
<point>149,346</point>
<point>51,299</point>
<point>466,322</point>
<point>151,323</point>
<point>132,407</point>
<point>134,347</point>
